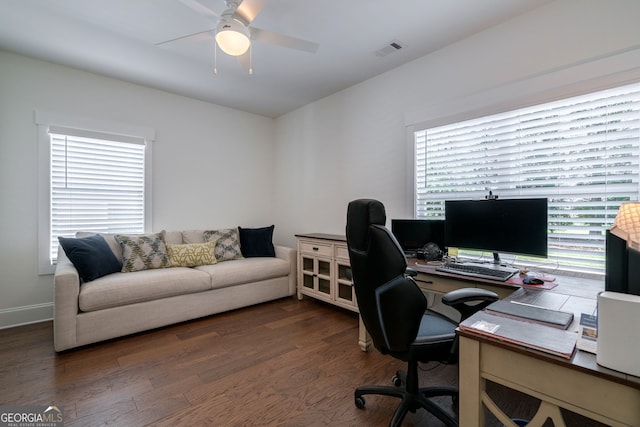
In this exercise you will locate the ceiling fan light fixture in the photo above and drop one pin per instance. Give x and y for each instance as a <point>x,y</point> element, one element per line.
<point>232,37</point>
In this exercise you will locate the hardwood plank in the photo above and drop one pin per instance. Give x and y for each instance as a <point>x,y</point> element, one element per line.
<point>285,363</point>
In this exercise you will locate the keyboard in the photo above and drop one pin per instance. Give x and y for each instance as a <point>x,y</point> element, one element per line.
<point>484,271</point>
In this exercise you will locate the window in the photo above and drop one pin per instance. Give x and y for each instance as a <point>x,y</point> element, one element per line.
<point>95,181</point>
<point>581,153</point>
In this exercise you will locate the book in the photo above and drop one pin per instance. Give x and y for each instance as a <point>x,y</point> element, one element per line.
<point>556,318</point>
<point>588,333</point>
<point>526,334</point>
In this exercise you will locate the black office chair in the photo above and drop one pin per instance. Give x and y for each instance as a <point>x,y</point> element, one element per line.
<point>394,311</point>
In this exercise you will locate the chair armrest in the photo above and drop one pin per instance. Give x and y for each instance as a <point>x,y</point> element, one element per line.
<point>411,272</point>
<point>469,300</point>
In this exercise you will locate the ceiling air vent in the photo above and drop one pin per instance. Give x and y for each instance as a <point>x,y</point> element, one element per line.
<point>393,46</point>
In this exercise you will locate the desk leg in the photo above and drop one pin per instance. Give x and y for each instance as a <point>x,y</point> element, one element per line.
<point>364,340</point>
<point>470,383</point>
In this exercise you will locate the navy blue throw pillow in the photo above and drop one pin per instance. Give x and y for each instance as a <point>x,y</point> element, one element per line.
<point>257,242</point>
<point>91,256</point>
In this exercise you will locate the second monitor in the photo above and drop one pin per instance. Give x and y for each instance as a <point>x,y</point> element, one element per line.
<point>414,234</point>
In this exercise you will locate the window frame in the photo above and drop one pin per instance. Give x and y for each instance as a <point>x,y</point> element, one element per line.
<point>45,120</point>
<point>414,129</point>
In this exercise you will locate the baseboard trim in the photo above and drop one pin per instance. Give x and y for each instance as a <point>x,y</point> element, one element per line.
<point>18,316</point>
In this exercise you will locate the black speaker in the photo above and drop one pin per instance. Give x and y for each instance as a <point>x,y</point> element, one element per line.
<point>622,266</point>
<point>633,272</point>
<point>616,259</point>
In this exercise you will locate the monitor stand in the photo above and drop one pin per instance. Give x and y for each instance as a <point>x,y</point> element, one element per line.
<point>496,258</point>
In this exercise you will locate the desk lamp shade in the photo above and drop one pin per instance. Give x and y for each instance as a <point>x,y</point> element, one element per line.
<point>627,224</point>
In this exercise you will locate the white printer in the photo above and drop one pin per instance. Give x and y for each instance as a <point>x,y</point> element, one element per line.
<point>619,332</point>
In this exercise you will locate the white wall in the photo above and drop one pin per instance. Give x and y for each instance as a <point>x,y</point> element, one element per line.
<point>354,143</point>
<point>212,166</point>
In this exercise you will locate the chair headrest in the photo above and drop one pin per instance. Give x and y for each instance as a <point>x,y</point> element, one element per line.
<point>361,214</point>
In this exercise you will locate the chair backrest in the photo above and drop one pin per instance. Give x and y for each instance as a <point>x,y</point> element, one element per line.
<point>390,304</point>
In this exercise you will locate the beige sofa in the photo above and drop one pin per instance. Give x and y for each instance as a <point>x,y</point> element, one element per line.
<point>124,303</point>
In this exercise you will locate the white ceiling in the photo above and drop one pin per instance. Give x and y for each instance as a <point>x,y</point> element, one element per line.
<point>118,38</point>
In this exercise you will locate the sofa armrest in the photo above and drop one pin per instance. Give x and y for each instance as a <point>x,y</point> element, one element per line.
<point>289,255</point>
<point>66,282</point>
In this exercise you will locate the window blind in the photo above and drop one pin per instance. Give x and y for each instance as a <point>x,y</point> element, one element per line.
<point>582,153</point>
<point>97,183</point>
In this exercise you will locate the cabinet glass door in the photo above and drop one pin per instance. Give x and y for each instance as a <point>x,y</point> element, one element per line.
<point>344,284</point>
<point>308,272</point>
<point>324,277</point>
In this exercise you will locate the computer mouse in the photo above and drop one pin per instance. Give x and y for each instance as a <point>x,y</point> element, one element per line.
<point>532,281</point>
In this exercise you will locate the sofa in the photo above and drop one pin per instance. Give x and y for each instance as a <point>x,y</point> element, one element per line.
<point>118,303</point>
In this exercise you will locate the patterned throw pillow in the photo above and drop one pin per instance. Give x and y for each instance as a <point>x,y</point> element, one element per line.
<point>143,251</point>
<point>191,254</point>
<point>227,243</point>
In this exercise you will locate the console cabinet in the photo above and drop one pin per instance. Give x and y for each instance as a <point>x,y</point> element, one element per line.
<point>324,271</point>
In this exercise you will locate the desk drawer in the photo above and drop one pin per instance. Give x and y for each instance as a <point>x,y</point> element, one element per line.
<point>315,248</point>
<point>427,283</point>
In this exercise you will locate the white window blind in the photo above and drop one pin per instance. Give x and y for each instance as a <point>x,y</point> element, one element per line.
<point>97,183</point>
<point>581,153</point>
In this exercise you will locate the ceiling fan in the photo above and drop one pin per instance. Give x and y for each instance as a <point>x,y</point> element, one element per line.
<point>234,33</point>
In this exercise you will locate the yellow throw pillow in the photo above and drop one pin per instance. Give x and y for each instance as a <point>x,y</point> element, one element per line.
<point>191,254</point>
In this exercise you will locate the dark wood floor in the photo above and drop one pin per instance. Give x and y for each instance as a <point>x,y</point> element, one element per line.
<point>285,363</point>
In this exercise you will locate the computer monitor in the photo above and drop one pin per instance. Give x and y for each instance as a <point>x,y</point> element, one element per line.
<point>514,226</point>
<point>414,234</point>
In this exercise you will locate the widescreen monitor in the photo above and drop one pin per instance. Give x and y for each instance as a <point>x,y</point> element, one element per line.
<point>514,226</point>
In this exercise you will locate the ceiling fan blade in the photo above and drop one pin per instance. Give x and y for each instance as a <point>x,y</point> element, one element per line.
<point>282,40</point>
<point>249,9</point>
<point>202,35</point>
<point>198,7</point>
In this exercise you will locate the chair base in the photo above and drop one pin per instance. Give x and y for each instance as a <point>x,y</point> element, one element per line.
<point>410,400</point>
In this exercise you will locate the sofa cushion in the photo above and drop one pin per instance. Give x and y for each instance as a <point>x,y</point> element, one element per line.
<point>257,242</point>
<point>245,270</point>
<point>91,256</point>
<point>143,251</point>
<point>228,243</point>
<point>191,254</point>
<point>119,289</point>
<point>193,236</point>
<point>173,237</point>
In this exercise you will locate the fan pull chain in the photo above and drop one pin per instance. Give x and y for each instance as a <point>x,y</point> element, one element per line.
<point>215,58</point>
<point>250,59</point>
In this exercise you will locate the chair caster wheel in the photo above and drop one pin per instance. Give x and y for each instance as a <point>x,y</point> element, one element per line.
<point>360,402</point>
<point>396,381</point>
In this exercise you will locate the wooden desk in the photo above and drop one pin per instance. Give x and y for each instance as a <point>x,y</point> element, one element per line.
<point>578,384</point>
